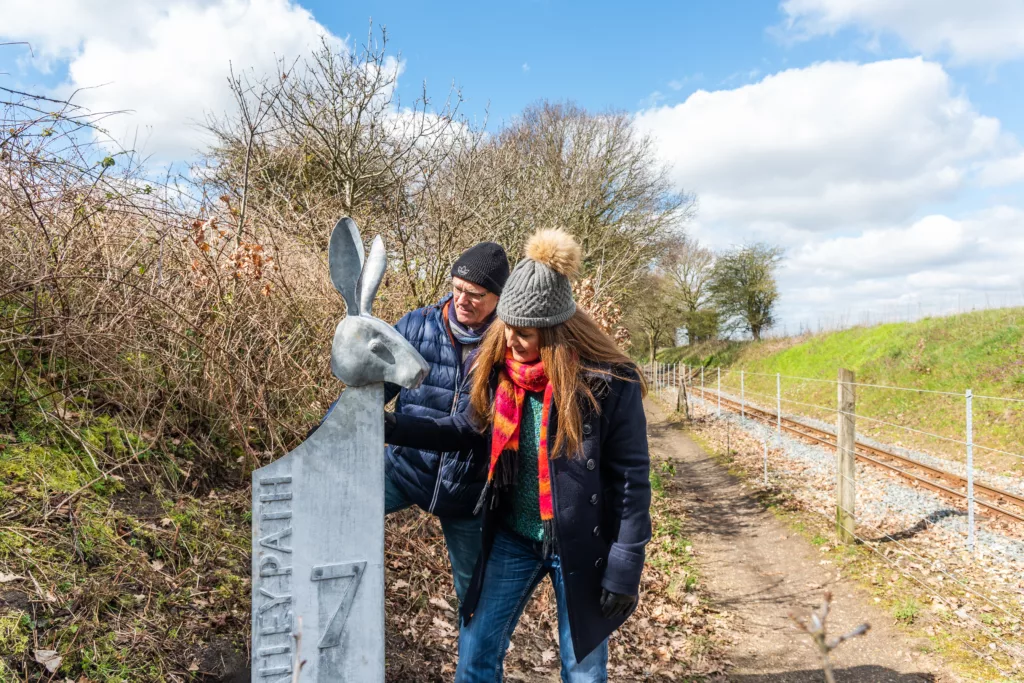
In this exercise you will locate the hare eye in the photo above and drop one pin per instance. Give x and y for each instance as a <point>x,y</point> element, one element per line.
<point>376,346</point>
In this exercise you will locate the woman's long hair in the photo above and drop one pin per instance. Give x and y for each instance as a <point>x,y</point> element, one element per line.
<point>567,350</point>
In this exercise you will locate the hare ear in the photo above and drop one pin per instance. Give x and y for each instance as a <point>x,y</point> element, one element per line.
<point>346,261</point>
<point>373,273</point>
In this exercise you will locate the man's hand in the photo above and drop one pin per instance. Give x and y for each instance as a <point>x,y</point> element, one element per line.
<point>615,604</point>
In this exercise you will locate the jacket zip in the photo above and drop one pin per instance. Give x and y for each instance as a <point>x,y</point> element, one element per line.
<point>440,464</point>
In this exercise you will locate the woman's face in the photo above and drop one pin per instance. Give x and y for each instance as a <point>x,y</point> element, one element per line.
<point>524,343</point>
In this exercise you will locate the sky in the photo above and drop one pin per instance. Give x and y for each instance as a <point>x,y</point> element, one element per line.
<point>878,142</point>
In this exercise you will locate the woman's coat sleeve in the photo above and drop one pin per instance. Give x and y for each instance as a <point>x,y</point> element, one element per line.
<point>457,432</point>
<point>626,463</point>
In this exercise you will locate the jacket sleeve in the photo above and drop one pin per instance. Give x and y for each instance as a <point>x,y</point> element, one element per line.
<point>456,432</point>
<point>626,463</point>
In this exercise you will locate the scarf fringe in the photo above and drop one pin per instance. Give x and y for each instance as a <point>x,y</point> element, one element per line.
<point>505,472</point>
<point>482,499</point>
<point>550,548</point>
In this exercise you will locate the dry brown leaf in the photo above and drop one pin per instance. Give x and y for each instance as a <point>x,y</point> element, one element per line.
<point>443,604</point>
<point>48,658</point>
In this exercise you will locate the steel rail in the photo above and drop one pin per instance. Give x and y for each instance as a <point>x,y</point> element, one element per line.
<point>871,454</point>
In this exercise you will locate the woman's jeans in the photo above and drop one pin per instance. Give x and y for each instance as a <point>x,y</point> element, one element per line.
<point>514,569</point>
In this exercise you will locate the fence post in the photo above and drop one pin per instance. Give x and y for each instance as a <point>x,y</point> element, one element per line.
<point>846,439</point>
<point>778,408</point>
<point>682,402</point>
<point>970,470</point>
<point>702,385</point>
<point>719,369</point>
<point>743,396</point>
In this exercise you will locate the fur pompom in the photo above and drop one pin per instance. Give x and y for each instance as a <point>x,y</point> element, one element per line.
<point>557,250</point>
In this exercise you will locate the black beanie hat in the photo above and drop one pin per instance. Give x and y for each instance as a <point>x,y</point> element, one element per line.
<point>483,264</point>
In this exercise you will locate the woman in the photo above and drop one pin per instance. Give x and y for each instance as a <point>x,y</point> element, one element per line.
<point>559,409</point>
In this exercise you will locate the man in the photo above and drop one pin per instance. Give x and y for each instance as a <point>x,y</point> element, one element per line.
<point>446,334</point>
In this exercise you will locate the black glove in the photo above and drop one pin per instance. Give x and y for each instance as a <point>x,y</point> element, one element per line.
<point>616,604</point>
<point>389,424</point>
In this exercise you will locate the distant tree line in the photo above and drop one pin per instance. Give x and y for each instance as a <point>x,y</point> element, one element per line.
<point>707,295</point>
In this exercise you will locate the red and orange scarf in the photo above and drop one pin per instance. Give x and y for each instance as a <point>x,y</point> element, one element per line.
<point>514,381</point>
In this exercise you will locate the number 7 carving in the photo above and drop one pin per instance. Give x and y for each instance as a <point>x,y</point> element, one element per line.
<point>337,585</point>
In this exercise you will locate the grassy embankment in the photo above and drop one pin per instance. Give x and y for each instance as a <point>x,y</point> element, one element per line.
<point>982,351</point>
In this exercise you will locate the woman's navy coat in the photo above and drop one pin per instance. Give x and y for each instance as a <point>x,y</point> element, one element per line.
<point>601,497</point>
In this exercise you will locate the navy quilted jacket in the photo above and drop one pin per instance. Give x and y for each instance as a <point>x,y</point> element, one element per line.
<point>447,484</point>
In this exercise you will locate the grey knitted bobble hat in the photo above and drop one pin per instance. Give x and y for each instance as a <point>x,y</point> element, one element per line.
<point>538,293</point>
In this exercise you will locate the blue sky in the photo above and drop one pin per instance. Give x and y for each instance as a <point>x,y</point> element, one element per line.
<point>877,141</point>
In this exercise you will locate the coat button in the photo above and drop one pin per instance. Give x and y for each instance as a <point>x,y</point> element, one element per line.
<point>593,499</point>
<point>599,563</point>
<point>587,429</point>
<point>591,464</point>
<point>597,531</point>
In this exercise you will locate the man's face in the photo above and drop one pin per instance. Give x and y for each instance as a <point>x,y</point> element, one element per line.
<point>473,303</point>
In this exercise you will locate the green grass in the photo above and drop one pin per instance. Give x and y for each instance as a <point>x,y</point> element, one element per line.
<point>115,564</point>
<point>982,351</point>
<point>906,610</point>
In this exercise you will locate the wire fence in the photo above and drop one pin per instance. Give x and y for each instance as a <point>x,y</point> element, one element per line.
<point>804,402</point>
<point>749,394</point>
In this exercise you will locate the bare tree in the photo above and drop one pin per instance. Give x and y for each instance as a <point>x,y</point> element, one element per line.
<point>336,139</point>
<point>656,317</point>
<point>593,175</point>
<point>690,268</point>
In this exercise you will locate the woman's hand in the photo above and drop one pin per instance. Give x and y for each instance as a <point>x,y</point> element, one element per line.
<point>615,604</point>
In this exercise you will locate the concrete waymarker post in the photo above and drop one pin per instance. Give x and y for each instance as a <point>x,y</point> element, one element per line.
<point>318,512</point>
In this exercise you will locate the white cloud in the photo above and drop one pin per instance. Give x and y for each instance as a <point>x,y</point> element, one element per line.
<point>526,67</point>
<point>848,167</point>
<point>965,30</point>
<point>825,146</point>
<point>936,265</point>
<point>165,60</point>
<point>680,83</point>
<point>1007,170</point>
<point>932,241</point>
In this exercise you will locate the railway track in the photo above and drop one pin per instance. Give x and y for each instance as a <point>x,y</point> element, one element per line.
<point>990,500</point>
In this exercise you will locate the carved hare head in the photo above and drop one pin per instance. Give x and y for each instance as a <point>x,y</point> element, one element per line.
<point>366,349</point>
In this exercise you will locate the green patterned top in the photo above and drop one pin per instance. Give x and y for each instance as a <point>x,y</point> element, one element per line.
<point>523,514</point>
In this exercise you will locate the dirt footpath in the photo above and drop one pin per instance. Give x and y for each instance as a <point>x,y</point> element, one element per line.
<point>757,570</point>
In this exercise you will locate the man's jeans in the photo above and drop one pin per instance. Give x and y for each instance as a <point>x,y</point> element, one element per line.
<point>461,535</point>
<point>514,569</point>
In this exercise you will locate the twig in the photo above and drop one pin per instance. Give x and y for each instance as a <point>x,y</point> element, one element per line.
<point>814,626</point>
